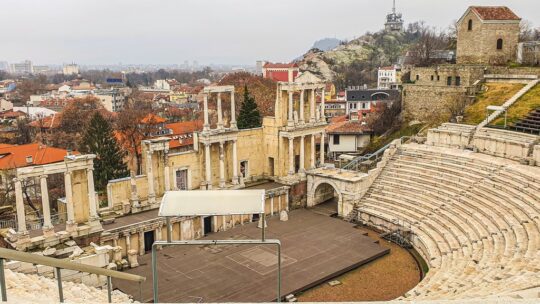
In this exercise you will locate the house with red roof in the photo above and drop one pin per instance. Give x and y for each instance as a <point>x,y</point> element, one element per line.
<point>487,35</point>
<point>34,154</point>
<point>284,72</point>
<point>347,136</point>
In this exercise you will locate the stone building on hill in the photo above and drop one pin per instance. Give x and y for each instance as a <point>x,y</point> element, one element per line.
<point>487,35</point>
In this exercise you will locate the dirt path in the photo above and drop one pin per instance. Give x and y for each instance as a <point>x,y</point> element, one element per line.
<point>384,279</point>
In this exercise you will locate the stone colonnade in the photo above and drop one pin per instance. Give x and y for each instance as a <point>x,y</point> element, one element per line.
<point>313,117</point>
<point>208,163</point>
<point>68,167</point>
<point>219,90</point>
<point>312,159</point>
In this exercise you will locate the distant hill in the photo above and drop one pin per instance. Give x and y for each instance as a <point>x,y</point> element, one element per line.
<point>326,44</point>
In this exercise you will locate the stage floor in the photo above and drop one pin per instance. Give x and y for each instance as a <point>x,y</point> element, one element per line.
<point>315,248</point>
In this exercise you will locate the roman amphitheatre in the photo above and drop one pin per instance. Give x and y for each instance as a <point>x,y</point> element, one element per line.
<point>451,213</point>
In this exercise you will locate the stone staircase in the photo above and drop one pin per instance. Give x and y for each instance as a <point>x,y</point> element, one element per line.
<point>474,218</point>
<point>529,124</point>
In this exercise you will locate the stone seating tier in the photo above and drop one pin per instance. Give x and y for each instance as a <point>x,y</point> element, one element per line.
<point>476,220</point>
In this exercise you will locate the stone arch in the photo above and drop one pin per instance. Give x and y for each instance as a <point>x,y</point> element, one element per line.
<point>313,200</point>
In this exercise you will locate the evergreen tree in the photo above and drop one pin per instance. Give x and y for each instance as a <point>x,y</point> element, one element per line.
<point>249,116</point>
<point>99,140</point>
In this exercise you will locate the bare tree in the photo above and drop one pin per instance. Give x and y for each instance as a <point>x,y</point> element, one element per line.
<point>455,106</point>
<point>429,40</point>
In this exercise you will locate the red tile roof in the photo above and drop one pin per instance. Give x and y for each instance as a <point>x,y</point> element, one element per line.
<point>16,156</point>
<point>185,127</point>
<point>49,122</point>
<point>12,114</point>
<point>348,127</point>
<point>152,119</point>
<point>280,65</point>
<point>338,119</point>
<point>494,13</point>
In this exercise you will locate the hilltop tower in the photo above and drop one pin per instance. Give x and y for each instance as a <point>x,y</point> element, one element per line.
<point>394,21</point>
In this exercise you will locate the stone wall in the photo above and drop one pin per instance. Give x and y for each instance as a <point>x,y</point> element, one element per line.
<point>451,136</point>
<point>438,75</point>
<point>513,71</point>
<point>479,45</point>
<point>536,155</point>
<point>429,103</point>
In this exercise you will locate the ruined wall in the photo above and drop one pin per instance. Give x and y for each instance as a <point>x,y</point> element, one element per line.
<point>80,196</point>
<point>250,147</point>
<point>429,103</point>
<point>438,75</point>
<point>513,71</point>
<point>479,45</point>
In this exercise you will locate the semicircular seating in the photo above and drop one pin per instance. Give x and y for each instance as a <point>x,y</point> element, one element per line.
<point>474,218</point>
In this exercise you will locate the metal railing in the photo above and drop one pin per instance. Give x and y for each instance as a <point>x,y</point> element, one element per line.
<point>58,264</point>
<point>372,156</point>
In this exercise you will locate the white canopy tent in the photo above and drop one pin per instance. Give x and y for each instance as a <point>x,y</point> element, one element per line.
<point>212,202</point>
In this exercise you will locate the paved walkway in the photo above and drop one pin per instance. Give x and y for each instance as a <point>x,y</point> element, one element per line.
<point>315,249</point>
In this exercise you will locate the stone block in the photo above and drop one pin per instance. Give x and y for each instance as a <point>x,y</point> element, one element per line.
<point>132,258</point>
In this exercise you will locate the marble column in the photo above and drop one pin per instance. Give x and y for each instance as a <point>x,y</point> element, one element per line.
<point>219,112</point>
<point>312,158</point>
<point>91,195</point>
<point>302,139</point>
<point>323,118</point>
<point>272,206</point>
<point>301,119</point>
<point>208,166</point>
<point>233,112</point>
<point>221,165</point>
<point>322,149</point>
<point>235,163</point>
<point>134,197</point>
<point>70,224</point>
<point>291,155</point>
<point>290,120</point>
<point>166,178</point>
<point>19,202</point>
<point>45,205</point>
<point>150,178</point>
<point>206,125</point>
<point>312,106</point>
<point>128,241</point>
<point>141,242</point>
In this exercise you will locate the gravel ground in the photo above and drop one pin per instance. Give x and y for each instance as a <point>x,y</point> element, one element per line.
<point>384,279</point>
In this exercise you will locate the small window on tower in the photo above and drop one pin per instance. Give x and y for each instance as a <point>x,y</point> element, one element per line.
<point>499,44</point>
<point>470,25</point>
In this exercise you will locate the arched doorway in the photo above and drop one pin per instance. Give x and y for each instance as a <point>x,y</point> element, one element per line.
<point>326,199</point>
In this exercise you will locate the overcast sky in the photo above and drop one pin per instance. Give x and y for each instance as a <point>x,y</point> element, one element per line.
<point>209,31</point>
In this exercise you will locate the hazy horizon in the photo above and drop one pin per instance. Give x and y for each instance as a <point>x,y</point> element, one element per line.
<point>233,32</point>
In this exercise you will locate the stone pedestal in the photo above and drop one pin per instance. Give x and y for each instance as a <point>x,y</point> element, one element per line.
<point>117,254</point>
<point>132,258</point>
<point>283,216</point>
<point>260,224</point>
<point>48,232</point>
<point>71,227</point>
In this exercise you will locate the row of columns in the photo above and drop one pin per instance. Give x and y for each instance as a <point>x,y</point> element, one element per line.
<point>220,126</point>
<point>312,118</point>
<point>150,175</point>
<point>302,153</point>
<point>48,228</point>
<point>208,164</point>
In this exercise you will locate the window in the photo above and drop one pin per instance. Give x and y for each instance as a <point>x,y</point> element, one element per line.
<point>470,25</point>
<point>336,139</point>
<point>458,81</point>
<point>449,80</point>
<point>432,77</point>
<point>417,77</point>
<point>438,78</point>
<point>499,44</point>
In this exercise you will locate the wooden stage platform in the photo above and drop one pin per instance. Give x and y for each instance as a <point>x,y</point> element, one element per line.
<point>315,248</point>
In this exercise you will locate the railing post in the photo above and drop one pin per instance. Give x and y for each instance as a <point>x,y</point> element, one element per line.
<point>109,289</point>
<point>60,290</point>
<point>155,273</point>
<point>3,281</point>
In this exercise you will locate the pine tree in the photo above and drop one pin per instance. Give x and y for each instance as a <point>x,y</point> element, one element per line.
<point>249,116</point>
<point>109,162</point>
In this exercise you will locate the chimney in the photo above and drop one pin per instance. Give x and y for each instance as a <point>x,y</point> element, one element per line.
<point>29,159</point>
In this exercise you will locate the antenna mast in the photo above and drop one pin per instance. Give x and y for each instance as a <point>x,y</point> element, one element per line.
<point>394,7</point>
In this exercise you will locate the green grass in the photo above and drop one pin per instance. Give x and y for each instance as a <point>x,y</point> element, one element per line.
<point>379,141</point>
<point>522,107</point>
<point>495,95</point>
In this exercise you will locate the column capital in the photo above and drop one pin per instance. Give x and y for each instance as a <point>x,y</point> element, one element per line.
<point>18,180</point>
<point>68,172</point>
<point>90,169</point>
<point>207,144</point>
<point>44,176</point>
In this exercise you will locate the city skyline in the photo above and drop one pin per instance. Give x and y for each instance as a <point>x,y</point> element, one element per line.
<point>171,32</point>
